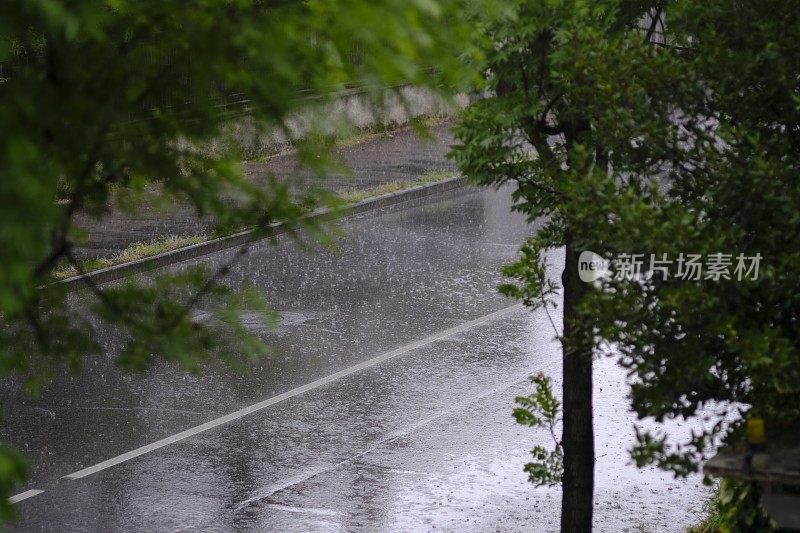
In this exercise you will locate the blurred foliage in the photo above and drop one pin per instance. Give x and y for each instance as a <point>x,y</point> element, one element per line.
<point>13,470</point>
<point>734,507</point>
<point>660,142</point>
<point>104,100</point>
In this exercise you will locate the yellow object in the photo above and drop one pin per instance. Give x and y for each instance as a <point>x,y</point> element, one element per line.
<point>755,431</point>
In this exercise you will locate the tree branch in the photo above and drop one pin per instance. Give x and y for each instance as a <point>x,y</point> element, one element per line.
<point>654,24</point>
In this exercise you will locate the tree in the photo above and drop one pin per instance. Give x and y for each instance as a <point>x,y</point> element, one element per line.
<point>540,132</point>
<point>634,140</point>
<point>106,100</point>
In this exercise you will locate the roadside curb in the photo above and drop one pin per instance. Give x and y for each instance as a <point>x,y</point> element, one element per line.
<point>117,272</point>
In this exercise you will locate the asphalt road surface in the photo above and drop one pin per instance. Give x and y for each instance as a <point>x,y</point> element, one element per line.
<point>385,405</point>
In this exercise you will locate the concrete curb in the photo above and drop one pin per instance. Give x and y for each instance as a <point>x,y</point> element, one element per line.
<point>194,251</point>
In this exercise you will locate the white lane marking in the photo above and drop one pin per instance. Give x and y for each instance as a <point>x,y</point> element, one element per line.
<point>391,436</point>
<point>290,394</point>
<point>25,495</point>
<point>305,510</point>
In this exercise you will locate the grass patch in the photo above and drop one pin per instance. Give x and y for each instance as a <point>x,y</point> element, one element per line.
<point>351,139</point>
<point>712,515</point>
<point>361,136</point>
<point>431,176</point>
<point>373,132</point>
<point>134,252</point>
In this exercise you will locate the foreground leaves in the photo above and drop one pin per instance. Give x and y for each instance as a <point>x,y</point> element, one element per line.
<point>108,104</point>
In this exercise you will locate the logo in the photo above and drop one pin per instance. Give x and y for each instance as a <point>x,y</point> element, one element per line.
<point>592,267</point>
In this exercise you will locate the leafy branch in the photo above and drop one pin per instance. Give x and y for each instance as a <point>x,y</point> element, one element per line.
<point>541,409</point>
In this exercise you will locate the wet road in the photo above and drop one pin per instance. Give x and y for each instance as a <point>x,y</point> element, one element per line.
<point>385,405</point>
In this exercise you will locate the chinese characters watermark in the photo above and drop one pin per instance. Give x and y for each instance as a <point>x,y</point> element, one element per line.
<point>689,267</point>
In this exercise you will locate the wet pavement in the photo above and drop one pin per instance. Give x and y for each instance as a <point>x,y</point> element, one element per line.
<point>397,156</point>
<point>385,405</point>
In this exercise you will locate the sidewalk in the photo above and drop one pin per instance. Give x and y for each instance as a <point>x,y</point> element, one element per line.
<point>397,156</point>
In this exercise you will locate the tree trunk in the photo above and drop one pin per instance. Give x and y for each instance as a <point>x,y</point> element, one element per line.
<point>578,437</point>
